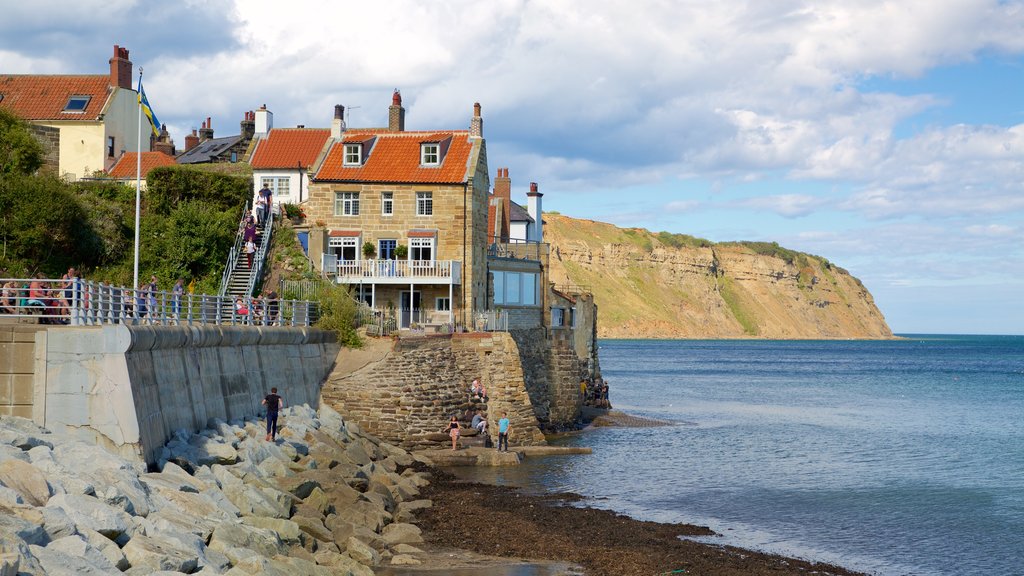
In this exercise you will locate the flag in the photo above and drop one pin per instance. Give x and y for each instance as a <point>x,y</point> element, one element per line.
<point>147,110</point>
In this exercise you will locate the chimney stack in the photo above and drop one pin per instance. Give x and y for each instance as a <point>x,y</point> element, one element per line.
<point>264,121</point>
<point>163,142</point>
<point>396,114</point>
<point>191,140</point>
<point>534,209</point>
<point>338,124</point>
<point>503,194</point>
<point>206,132</point>
<point>120,69</point>
<point>476,125</point>
<point>248,125</point>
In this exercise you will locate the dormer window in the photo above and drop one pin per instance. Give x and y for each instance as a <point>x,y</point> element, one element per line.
<point>430,154</point>
<point>77,104</point>
<point>353,155</point>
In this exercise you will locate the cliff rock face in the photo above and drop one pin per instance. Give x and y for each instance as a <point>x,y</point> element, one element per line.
<point>672,286</point>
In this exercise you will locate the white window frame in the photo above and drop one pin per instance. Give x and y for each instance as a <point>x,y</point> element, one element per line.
<point>344,242</point>
<point>353,155</point>
<point>430,153</point>
<point>279,185</point>
<point>346,203</point>
<point>515,288</point>
<point>387,203</point>
<point>418,244</point>
<point>424,203</point>
<point>443,304</point>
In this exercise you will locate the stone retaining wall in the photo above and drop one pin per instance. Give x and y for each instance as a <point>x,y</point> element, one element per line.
<point>552,373</point>
<point>131,387</point>
<point>409,395</point>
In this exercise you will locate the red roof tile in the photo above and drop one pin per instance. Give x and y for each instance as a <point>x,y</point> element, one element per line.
<point>37,97</point>
<point>395,157</point>
<point>127,163</point>
<point>289,147</point>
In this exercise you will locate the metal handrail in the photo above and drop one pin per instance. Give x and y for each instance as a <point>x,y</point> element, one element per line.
<point>260,254</point>
<point>85,303</point>
<point>233,254</point>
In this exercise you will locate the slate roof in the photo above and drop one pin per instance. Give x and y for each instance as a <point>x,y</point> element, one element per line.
<point>289,147</point>
<point>43,97</point>
<point>208,150</point>
<point>394,157</point>
<point>517,213</point>
<point>127,164</point>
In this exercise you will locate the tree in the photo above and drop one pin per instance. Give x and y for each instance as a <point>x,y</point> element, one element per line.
<point>20,152</point>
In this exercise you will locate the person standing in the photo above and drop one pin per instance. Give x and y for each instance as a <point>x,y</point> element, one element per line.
<point>264,203</point>
<point>274,404</point>
<point>454,430</point>
<point>176,293</point>
<point>504,429</point>
<point>250,251</point>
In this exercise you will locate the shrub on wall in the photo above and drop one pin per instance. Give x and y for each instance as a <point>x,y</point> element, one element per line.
<point>168,186</point>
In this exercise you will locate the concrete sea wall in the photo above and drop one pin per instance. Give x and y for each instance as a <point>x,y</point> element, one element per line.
<point>129,388</point>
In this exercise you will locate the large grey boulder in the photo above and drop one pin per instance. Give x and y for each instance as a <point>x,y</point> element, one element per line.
<point>55,562</point>
<point>57,523</point>
<point>240,541</point>
<point>110,550</point>
<point>26,480</point>
<point>79,546</point>
<point>92,513</point>
<point>160,554</point>
<point>18,523</point>
<point>401,533</point>
<point>287,530</point>
<point>362,552</point>
<point>209,451</point>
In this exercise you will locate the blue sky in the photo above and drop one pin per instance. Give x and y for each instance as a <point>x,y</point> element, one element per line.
<point>886,137</point>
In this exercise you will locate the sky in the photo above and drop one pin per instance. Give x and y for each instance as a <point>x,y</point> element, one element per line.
<point>885,136</point>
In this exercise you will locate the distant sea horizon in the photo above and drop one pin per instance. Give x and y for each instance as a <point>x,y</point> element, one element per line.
<point>894,457</point>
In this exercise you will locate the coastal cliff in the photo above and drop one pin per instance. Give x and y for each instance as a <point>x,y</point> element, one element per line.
<point>661,285</point>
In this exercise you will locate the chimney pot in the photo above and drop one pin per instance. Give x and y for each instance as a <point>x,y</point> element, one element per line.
<point>339,112</point>
<point>533,187</point>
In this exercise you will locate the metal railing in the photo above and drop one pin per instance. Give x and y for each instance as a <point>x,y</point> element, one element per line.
<point>83,303</point>
<point>491,321</point>
<point>234,253</point>
<point>514,248</point>
<point>351,271</point>
<point>257,265</point>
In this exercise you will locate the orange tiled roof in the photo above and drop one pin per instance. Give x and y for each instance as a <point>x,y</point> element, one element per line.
<point>395,157</point>
<point>289,147</point>
<point>39,97</point>
<point>126,165</point>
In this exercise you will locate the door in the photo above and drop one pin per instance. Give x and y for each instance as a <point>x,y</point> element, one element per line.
<point>410,309</point>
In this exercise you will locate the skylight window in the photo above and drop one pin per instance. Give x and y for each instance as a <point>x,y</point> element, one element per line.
<point>77,104</point>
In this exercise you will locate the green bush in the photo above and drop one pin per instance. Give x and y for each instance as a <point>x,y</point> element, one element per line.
<point>338,314</point>
<point>683,241</point>
<point>168,186</point>
<point>20,152</point>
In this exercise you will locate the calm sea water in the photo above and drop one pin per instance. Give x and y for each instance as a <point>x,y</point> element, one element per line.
<point>896,458</point>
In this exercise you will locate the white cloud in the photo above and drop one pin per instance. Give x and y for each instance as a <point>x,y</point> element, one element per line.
<point>788,205</point>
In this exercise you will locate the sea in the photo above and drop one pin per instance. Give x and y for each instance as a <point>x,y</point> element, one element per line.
<point>897,457</point>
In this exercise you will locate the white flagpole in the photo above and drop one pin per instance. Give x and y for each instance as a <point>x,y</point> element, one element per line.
<point>138,184</point>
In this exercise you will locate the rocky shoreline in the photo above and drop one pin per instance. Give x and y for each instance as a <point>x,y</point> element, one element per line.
<point>324,499</point>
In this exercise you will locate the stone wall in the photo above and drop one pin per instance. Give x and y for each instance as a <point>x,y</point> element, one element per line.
<point>17,365</point>
<point>49,138</point>
<point>131,387</point>
<point>409,395</point>
<point>552,372</point>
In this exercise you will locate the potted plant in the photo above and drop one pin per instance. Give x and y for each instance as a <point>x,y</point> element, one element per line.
<point>401,251</point>
<point>369,251</point>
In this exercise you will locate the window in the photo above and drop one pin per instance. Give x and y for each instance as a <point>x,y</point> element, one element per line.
<point>110,146</point>
<point>443,304</point>
<point>344,248</point>
<point>77,104</point>
<point>386,249</point>
<point>515,288</point>
<point>353,155</point>
<point>387,203</point>
<point>234,156</point>
<point>280,186</point>
<point>424,203</point>
<point>430,154</point>
<point>558,317</point>
<point>421,248</point>
<point>346,204</point>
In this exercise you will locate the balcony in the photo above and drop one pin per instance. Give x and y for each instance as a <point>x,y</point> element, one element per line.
<point>395,271</point>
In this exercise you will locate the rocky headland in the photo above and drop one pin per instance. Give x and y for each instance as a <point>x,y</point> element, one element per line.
<point>660,285</point>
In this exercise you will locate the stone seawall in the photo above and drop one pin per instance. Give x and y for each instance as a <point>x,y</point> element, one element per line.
<point>408,395</point>
<point>129,388</point>
<point>552,372</point>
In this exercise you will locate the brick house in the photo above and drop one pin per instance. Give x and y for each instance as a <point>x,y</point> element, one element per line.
<point>402,217</point>
<point>85,121</point>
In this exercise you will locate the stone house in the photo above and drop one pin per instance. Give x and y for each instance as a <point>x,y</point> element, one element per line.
<point>85,121</point>
<point>282,158</point>
<point>401,216</point>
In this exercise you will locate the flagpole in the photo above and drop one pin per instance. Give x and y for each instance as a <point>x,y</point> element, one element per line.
<point>138,184</point>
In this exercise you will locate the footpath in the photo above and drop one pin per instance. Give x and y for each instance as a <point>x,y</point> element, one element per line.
<point>324,499</point>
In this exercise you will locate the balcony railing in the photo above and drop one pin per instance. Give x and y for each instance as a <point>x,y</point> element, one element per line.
<point>397,271</point>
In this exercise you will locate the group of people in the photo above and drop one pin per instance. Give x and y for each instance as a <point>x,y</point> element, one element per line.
<point>262,309</point>
<point>478,393</point>
<point>52,300</point>
<point>595,394</point>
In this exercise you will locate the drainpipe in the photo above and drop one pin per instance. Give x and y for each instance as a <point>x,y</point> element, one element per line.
<point>299,164</point>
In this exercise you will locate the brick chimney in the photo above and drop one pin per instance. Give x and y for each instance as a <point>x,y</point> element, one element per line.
<point>476,125</point>
<point>121,68</point>
<point>338,124</point>
<point>206,132</point>
<point>248,125</point>
<point>163,142</point>
<point>191,140</point>
<point>535,231</point>
<point>396,114</point>
<point>503,194</point>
